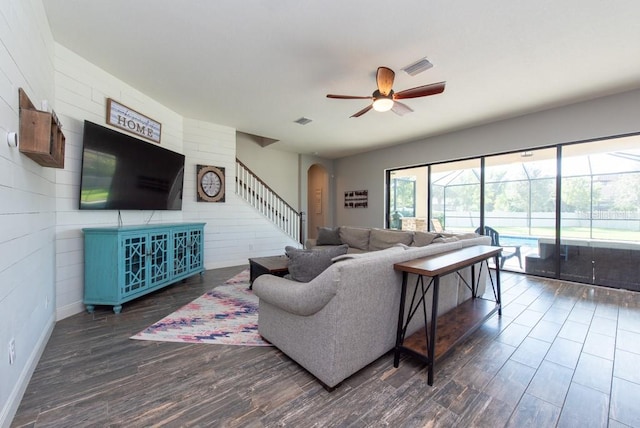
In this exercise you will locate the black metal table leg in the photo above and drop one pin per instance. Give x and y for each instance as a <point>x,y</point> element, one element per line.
<point>434,319</point>
<point>499,295</point>
<point>474,282</point>
<point>399,333</point>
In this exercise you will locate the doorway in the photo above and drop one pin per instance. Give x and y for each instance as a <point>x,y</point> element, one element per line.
<point>317,199</point>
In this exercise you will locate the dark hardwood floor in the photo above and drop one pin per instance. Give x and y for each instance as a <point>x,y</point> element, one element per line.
<point>563,354</point>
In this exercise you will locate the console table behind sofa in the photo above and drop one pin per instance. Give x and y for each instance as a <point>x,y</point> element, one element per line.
<point>429,344</point>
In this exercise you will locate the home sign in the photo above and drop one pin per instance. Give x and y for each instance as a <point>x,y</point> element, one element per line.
<point>130,120</point>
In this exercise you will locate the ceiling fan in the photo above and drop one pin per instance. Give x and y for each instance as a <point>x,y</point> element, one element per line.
<point>384,99</point>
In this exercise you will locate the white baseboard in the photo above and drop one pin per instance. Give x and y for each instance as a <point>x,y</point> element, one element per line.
<point>8,412</point>
<point>69,310</point>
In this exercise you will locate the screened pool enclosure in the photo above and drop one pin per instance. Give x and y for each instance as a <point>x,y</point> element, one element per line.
<point>572,210</point>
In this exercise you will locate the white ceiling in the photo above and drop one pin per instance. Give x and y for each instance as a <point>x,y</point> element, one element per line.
<point>258,65</point>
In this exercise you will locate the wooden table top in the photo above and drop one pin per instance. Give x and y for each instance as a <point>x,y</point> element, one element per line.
<point>442,264</point>
<point>272,263</point>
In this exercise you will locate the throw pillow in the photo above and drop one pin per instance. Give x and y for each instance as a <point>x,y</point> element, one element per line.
<point>328,236</point>
<point>304,265</point>
<point>386,238</point>
<point>420,239</point>
<point>355,237</point>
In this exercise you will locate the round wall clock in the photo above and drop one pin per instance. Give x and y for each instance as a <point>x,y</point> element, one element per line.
<point>210,182</point>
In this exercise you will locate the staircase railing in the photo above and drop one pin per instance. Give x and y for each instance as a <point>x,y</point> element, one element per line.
<point>257,193</point>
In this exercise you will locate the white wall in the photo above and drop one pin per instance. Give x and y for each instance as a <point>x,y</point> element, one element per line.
<point>27,202</point>
<point>81,93</point>
<point>278,168</point>
<point>603,117</point>
<point>41,240</point>
<point>275,167</point>
<point>234,231</point>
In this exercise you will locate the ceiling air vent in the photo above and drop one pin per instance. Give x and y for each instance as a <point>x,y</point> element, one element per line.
<point>303,121</point>
<point>418,67</point>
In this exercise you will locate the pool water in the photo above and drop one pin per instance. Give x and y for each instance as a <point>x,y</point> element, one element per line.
<point>523,241</point>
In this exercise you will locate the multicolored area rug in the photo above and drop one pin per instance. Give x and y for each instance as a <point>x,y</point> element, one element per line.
<point>242,277</point>
<point>226,315</point>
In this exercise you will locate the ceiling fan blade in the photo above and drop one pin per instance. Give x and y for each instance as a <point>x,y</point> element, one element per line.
<point>348,97</point>
<point>400,108</point>
<point>420,91</point>
<point>363,111</point>
<point>384,78</point>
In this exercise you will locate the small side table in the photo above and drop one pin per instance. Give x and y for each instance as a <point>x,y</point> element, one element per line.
<point>274,265</point>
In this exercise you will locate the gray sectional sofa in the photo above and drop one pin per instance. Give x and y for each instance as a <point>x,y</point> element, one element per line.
<point>346,317</point>
<point>361,240</point>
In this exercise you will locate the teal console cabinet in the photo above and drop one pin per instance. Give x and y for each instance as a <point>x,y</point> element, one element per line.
<point>124,263</point>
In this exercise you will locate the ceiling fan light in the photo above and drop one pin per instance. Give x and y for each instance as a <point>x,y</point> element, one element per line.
<point>382,104</point>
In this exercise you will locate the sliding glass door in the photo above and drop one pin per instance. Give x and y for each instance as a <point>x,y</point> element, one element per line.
<point>408,199</point>
<point>519,207</point>
<point>588,233</point>
<point>600,220</point>
<point>455,195</point>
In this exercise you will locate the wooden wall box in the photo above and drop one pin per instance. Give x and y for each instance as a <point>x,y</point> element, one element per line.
<point>41,137</point>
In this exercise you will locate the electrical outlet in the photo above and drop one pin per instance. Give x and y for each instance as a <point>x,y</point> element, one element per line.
<point>12,351</point>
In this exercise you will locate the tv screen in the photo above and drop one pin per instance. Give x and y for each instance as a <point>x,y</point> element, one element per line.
<point>120,172</point>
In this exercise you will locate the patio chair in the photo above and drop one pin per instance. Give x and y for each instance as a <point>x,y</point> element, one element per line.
<point>437,226</point>
<point>508,251</point>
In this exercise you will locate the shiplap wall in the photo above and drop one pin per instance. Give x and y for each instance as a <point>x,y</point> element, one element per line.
<point>41,241</point>
<point>27,202</point>
<point>234,231</point>
<point>82,90</point>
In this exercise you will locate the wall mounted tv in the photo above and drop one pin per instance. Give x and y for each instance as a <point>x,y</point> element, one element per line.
<point>120,172</point>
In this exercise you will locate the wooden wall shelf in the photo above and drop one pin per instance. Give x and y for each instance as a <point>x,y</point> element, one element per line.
<point>40,134</point>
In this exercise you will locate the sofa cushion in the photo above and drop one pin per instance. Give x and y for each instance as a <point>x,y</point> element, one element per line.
<point>441,239</point>
<point>465,235</point>
<point>379,239</point>
<point>420,239</point>
<point>304,265</point>
<point>370,254</point>
<point>328,236</point>
<point>355,237</point>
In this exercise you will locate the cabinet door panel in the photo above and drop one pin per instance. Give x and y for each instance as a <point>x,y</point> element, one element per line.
<point>134,264</point>
<point>158,253</point>
<point>195,249</point>
<point>180,244</point>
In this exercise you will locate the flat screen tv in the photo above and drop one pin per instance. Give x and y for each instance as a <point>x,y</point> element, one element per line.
<point>121,172</point>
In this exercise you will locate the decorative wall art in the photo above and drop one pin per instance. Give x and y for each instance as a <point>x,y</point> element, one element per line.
<point>130,120</point>
<point>356,199</point>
